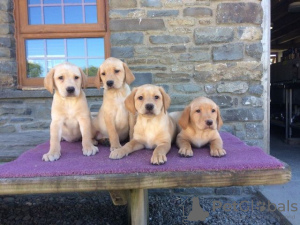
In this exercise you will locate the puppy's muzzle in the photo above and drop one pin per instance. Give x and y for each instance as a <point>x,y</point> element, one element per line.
<point>109,83</point>
<point>149,107</point>
<point>70,90</point>
<point>209,122</point>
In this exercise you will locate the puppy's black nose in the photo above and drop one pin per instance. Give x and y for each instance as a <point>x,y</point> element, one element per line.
<point>209,122</point>
<point>70,90</point>
<point>149,107</point>
<point>110,83</point>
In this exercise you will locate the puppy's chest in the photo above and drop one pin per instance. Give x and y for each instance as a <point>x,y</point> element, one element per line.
<point>199,140</point>
<point>121,114</point>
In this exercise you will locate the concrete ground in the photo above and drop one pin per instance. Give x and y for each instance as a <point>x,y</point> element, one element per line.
<point>287,194</point>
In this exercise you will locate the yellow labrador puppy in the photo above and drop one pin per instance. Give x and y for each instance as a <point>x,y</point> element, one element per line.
<point>200,122</point>
<point>70,114</point>
<point>154,128</point>
<point>113,120</point>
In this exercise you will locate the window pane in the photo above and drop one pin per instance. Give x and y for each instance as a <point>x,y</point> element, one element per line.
<point>93,65</point>
<point>73,14</point>
<point>36,68</point>
<point>79,62</point>
<point>90,14</point>
<point>90,1</point>
<point>72,1</point>
<point>53,62</point>
<point>55,48</point>
<point>95,47</point>
<point>53,15</point>
<point>52,1</point>
<point>31,2</point>
<point>35,15</point>
<point>35,48</point>
<point>75,47</point>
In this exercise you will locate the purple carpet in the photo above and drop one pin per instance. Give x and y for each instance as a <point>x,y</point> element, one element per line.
<point>239,157</point>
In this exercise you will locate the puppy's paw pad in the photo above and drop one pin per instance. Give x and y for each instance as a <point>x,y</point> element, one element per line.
<point>92,150</point>
<point>217,152</point>
<point>116,154</point>
<point>186,152</point>
<point>158,159</point>
<point>113,148</point>
<point>50,157</point>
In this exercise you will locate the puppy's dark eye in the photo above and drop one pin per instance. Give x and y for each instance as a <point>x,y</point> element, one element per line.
<point>156,97</point>
<point>61,77</point>
<point>213,110</point>
<point>76,77</point>
<point>117,71</point>
<point>103,74</point>
<point>198,111</point>
<point>140,97</point>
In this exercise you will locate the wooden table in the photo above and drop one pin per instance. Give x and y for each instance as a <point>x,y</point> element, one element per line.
<point>134,186</point>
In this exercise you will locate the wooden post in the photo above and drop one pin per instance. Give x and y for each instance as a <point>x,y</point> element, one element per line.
<point>138,207</point>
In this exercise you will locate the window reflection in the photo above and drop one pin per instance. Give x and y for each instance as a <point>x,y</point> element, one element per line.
<point>55,48</point>
<point>73,14</point>
<point>53,15</point>
<point>90,12</point>
<point>35,15</point>
<point>75,47</point>
<point>32,2</point>
<point>36,68</point>
<point>52,1</point>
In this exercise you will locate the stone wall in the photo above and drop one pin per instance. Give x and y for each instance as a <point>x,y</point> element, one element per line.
<point>190,47</point>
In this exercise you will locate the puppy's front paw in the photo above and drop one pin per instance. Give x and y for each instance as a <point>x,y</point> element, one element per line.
<point>117,154</point>
<point>51,156</point>
<point>158,159</point>
<point>218,152</point>
<point>90,150</point>
<point>186,152</point>
<point>114,147</point>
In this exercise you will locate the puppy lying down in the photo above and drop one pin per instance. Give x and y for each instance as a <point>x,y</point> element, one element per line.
<point>199,123</point>
<point>154,128</point>
<point>70,114</point>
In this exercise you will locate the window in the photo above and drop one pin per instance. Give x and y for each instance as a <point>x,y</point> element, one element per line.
<point>49,32</point>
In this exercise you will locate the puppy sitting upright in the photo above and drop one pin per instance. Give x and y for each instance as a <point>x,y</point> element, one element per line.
<point>70,114</point>
<point>154,128</point>
<point>113,120</point>
<point>200,122</point>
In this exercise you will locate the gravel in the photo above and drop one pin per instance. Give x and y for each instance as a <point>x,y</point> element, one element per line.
<point>97,208</point>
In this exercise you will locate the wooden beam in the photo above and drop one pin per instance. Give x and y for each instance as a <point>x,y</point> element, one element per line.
<point>139,212</point>
<point>143,180</point>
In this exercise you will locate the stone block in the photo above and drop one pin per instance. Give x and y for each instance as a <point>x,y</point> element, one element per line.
<point>182,68</point>
<point>15,111</point>
<point>254,131</point>
<point>254,50</point>
<point>148,68</point>
<point>5,52</point>
<point>6,81</point>
<point>197,12</point>
<point>243,114</point>
<point>174,77</point>
<point>6,29</point>
<point>137,25</point>
<point>208,35</point>
<point>168,39</point>
<point>257,89</point>
<point>178,49</point>
<point>237,87</point>
<point>210,89</point>
<point>250,33</point>
<point>21,120</point>
<point>122,52</point>
<point>151,3</point>
<point>252,101</point>
<point>3,121</point>
<point>6,5</point>
<point>40,125</point>
<point>223,101</point>
<point>142,78</point>
<point>182,99</point>
<point>229,190</point>
<point>126,38</point>
<point>162,13</point>
<point>7,129</point>
<point>126,13</point>
<point>173,3</point>
<point>187,88</point>
<point>6,17</point>
<point>181,22</point>
<point>228,52</point>
<point>122,4</point>
<point>150,51</point>
<point>239,13</point>
<point>194,57</point>
<point>227,128</point>
<point>198,49</point>
<point>6,42</point>
<point>8,66</point>
<point>168,60</point>
<point>205,76</point>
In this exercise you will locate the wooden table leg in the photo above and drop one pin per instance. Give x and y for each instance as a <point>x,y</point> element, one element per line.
<point>138,207</point>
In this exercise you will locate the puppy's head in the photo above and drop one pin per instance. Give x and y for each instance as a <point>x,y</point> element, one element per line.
<point>67,79</point>
<point>202,113</point>
<point>113,73</point>
<point>148,100</point>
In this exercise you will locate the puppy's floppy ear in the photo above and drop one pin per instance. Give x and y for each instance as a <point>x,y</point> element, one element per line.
<point>49,81</point>
<point>219,119</point>
<point>98,78</point>
<point>129,77</point>
<point>166,99</point>
<point>130,102</point>
<point>185,117</point>
<point>84,79</point>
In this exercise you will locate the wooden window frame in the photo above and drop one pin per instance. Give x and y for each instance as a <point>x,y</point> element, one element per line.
<point>24,31</point>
